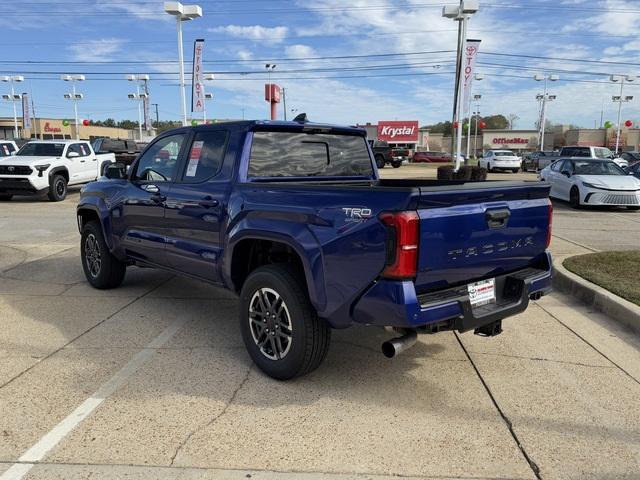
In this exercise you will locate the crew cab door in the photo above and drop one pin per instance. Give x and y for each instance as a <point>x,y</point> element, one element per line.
<point>139,220</point>
<point>196,206</point>
<point>82,164</point>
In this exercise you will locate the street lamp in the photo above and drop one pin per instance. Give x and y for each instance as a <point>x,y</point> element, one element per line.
<point>543,99</point>
<point>139,96</point>
<point>183,13</point>
<point>459,13</point>
<point>620,99</point>
<point>207,96</point>
<point>13,98</point>
<point>478,77</point>
<point>477,98</point>
<point>74,96</point>
<point>270,67</point>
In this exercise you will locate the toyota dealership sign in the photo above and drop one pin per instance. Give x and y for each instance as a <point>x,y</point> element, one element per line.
<point>398,131</point>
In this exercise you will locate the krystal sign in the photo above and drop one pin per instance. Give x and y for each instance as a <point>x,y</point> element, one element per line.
<point>398,131</point>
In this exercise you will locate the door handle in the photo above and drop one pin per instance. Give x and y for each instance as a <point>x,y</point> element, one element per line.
<point>208,203</point>
<point>148,187</point>
<point>82,161</point>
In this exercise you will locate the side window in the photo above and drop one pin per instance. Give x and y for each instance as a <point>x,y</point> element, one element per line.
<point>583,152</point>
<point>80,148</point>
<point>206,156</point>
<point>556,165</point>
<point>159,162</point>
<point>567,166</point>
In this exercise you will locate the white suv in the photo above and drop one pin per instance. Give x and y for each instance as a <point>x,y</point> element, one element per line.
<point>501,160</point>
<point>48,166</point>
<point>593,152</point>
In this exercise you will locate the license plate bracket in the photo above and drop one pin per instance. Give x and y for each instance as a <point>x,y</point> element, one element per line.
<point>482,292</point>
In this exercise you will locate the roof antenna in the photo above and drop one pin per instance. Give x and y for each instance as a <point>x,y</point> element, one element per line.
<point>301,118</point>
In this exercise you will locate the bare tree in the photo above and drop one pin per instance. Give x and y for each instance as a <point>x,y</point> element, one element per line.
<point>512,117</point>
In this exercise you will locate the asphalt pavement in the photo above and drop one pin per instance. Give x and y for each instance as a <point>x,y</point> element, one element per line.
<point>151,380</point>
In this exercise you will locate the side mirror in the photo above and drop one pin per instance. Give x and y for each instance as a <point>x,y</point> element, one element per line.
<point>566,173</point>
<point>116,171</point>
<point>73,155</point>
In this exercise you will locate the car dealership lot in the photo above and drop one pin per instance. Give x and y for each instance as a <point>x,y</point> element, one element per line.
<point>555,396</point>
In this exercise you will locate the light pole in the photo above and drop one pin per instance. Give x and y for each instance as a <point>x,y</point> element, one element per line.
<point>477,98</point>
<point>74,96</point>
<point>270,67</point>
<point>620,100</point>
<point>183,13</point>
<point>459,13</point>
<point>139,96</point>
<point>544,98</point>
<point>207,96</point>
<point>477,77</point>
<point>14,98</point>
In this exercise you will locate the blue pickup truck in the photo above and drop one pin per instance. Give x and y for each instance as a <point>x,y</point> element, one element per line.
<point>293,217</point>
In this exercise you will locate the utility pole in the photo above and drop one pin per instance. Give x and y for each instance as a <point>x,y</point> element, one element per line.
<point>284,103</point>
<point>157,116</point>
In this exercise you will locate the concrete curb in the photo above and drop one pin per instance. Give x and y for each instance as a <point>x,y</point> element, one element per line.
<point>596,297</point>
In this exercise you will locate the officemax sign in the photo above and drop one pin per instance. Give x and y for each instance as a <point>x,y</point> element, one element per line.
<point>398,131</point>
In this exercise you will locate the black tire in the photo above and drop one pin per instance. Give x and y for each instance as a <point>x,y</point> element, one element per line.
<point>574,197</point>
<point>57,188</point>
<point>396,164</point>
<point>110,271</point>
<point>380,161</point>
<point>308,336</point>
<point>489,168</point>
<point>5,197</point>
<point>633,207</point>
<point>105,167</point>
<point>515,170</point>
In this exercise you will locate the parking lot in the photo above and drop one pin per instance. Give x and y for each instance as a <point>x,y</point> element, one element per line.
<point>151,380</point>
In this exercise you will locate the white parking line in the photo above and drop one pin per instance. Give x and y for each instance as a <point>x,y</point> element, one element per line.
<point>51,439</point>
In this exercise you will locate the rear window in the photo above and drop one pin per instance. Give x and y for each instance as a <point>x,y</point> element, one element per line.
<point>289,154</point>
<point>503,153</point>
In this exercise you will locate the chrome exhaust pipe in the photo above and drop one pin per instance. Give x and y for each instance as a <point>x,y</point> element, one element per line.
<point>393,347</point>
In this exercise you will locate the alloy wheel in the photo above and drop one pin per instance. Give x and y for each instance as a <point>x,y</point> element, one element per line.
<point>92,255</point>
<point>270,323</point>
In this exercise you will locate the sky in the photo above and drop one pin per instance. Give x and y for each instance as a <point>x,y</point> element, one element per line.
<point>340,62</point>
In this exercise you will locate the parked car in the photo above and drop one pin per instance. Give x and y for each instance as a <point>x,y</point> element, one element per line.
<point>593,152</point>
<point>7,148</point>
<point>630,157</point>
<point>431,157</point>
<point>536,161</point>
<point>383,154</point>
<point>494,160</point>
<point>634,170</point>
<point>592,181</point>
<point>49,166</point>
<point>125,151</point>
<point>400,154</point>
<point>293,218</point>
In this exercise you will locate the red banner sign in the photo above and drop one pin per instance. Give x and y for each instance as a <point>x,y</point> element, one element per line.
<point>398,131</point>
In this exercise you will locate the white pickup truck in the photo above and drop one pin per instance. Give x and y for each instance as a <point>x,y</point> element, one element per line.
<point>48,166</point>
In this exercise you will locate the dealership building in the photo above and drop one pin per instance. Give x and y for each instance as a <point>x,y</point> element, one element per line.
<point>407,134</point>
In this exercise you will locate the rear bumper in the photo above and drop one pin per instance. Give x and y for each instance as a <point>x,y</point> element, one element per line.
<point>396,304</point>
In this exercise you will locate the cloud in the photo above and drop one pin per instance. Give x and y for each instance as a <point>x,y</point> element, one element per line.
<point>300,51</point>
<point>254,32</point>
<point>93,50</point>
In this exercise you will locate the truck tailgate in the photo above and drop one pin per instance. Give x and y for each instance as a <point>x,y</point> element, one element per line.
<point>480,233</point>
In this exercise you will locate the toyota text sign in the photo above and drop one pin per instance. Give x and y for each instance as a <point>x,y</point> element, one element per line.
<point>398,132</point>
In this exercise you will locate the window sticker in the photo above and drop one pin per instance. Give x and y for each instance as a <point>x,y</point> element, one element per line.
<point>83,148</point>
<point>194,158</point>
<point>6,149</point>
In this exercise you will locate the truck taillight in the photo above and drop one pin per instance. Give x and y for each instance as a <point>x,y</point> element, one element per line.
<point>402,244</point>
<point>550,213</point>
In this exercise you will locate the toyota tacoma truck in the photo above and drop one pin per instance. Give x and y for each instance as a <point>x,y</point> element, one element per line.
<point>49,166</point>
<point>293,217</point>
